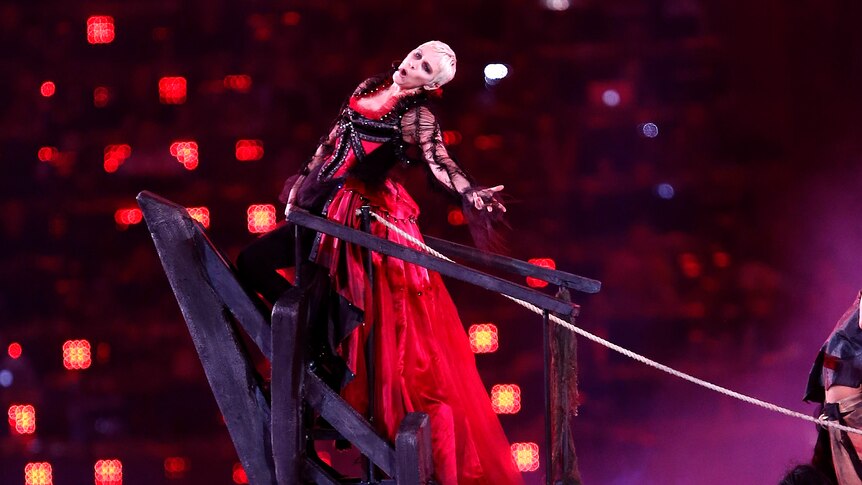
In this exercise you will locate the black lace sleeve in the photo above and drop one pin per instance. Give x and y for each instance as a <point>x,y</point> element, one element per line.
<point>419,127</point>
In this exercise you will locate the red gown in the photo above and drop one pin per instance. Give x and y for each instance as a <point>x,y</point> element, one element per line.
<point>423,360</point>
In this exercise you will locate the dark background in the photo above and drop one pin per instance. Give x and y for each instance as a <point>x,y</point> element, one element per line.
<point>737,278</point>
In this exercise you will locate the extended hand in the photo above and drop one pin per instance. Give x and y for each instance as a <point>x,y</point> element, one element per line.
<point>484,199</point>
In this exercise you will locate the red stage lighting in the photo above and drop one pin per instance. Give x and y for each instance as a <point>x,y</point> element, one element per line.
<point>526,456</point>
<point>76,354</point>
<point>101,96</point>
<point>47,154</point>
<point>22,418</point>
<point>38,473</point>
<point>128,217</point>
<point>186,152</point>
<point>488,142</point>
<point>172,90</point>
<point>261,218</point>
<point>200,214</point>
<point>109,472</point>
<point>240,83</point>
<point>115,155</point>
<point>239,476</point>
<point>48,89</point>
<point>451,137</point>
<point>544,263</point>
<point>100,29</point>
<point>249,150</point>
<point>690,265</point>
<point>14,350</point>
<point>456,217</point>
<point>721,259</point>
<point>291,18</point>
<point>506,398</point>
<point>176,467</point>
<point>483,338</point>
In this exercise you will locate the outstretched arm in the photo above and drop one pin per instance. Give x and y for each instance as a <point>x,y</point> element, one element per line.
<point>420,127</point>
<point>324,149</point>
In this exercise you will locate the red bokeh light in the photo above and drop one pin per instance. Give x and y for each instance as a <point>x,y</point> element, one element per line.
<point>38,473</point>
<point>22,418</point>
<point>488,142</point>
<point>239,476</point>
<point>76,354</point>
<point>721,259</point>
<point>176,467</point>
<point>172,90</point>
<point>47,154</point>
<point>103,352</point>
<point>690,265</point>
<point>101,96</point>
<point>483,338</point>
<point>100,29</point>
<point>506,398</point>
<point>240,83</point>
<point>48,89</point>
<point>128,217</point>
<point>109,472</point>
<point>14,350</point>
<point>249,150</point>
<point>526,456</point>
<point>291,18</point>
<point>200,214</point>
<point>544,263</point>
<point>456,217</point>
<point>261,218</point>
<point>115,155</point>
<point>186,152</point>
<point>451,137</point>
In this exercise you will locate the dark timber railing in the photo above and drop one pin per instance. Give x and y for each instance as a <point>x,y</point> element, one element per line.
<point>274,434</point>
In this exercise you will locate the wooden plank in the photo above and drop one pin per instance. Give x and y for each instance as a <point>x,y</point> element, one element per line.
<point>229,370</point>
<point>349,422</point>
<point>446,268</point>
<point>288,370</point>
<point>413,450</point>
<point>514,266</point>
<point>315,473</point>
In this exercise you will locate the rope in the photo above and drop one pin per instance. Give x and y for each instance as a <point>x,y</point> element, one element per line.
<point>822,420</point>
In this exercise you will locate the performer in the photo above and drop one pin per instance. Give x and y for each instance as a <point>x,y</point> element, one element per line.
<point>422,356</point>
<point>836,382</point>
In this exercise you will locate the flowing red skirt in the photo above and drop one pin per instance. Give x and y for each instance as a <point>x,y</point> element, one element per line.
<point>423,360</point>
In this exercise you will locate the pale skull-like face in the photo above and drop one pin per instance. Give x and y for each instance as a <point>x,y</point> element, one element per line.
<point>418,69</point>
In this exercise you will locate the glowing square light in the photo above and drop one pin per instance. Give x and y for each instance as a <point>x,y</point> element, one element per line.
<point>544,263</point>
<point>101,96</point>
<point>240,83</point>
<point>186,152</point>
<point>200,214</point>
<point>249,150</point>
<point>48,89</point>
<point>115,155</point>
<point>172,90</point>
<point>526,456</point>
<point>239,476</point>
<point>76,354</point>
<point>261,218</point>
<point>291,18</point>
<point>100,29</point>
<point>22,418</point>
<point>506,398</point>
<point>176,467</point>
<point>14,350</point>
<point>38,473</point>
<point>109,472</point>
<point>483,338</point>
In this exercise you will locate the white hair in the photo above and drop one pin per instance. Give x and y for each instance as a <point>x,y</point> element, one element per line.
<point>448,62</point>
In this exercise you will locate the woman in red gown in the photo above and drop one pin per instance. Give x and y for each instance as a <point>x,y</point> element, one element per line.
<point>423,361</point>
